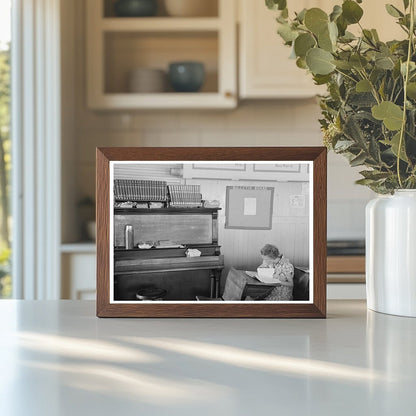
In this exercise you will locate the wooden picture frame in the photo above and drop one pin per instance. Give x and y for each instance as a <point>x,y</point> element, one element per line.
<point>108,305</point>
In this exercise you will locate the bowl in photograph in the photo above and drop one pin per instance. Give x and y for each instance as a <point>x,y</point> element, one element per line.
<point>186,76</point>
<point>265,274</point>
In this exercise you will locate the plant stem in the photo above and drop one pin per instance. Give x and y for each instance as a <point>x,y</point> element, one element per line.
<point>346,75</point>
<point>406,79</point>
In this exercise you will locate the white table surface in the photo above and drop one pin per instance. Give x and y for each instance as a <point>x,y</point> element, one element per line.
<point>57,358</point>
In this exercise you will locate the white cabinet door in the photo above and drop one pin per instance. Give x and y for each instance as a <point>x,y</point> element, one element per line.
<point>78,276</point>
<point>265,68</point>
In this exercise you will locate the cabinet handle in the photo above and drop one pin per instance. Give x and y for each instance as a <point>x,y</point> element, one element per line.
<point>229,94</point>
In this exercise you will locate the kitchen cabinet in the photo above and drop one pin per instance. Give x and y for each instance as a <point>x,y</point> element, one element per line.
<point>265,70</point>
<point>78,263</point>
<point>118,45</point>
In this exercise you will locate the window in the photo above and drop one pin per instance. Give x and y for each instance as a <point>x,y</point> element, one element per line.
<point>5,147</point>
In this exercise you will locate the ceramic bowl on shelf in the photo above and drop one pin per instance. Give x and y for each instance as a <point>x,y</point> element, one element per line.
<point>135,8</point>
<point>147,80</point>
<point>186,76</point>
<point>191,8</point>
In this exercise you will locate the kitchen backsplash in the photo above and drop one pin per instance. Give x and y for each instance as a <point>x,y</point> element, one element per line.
<point>288,123</point>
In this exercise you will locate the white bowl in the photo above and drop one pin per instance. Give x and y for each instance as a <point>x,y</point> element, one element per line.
<point>191,8</point>
<point>147,80</point>
<point>265,274</point>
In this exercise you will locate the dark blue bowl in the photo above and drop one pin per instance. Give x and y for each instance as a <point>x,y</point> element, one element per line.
<point>135,8</point>
<point>186,76</point>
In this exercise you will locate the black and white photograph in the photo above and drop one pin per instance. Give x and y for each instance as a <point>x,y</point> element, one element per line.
<point>186,231</point>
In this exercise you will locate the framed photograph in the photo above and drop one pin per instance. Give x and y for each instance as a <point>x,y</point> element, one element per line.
<point>171,243</point>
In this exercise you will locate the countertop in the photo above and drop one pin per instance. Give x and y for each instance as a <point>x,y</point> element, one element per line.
<point>57,358</point>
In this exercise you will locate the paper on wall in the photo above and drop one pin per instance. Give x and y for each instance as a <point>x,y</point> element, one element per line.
<point>250,206</point>
<point>297,201</point>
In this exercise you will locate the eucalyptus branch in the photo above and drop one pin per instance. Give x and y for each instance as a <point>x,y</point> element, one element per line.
<point>373,88</point>
<point>346,75</point>
<point>406,79</point>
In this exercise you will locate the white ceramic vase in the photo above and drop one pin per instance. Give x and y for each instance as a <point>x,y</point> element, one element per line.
<point>391,253</point>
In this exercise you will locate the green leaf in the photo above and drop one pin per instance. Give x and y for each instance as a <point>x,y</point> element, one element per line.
<point>412,67</point>
<point>375,35</point>
<point>393,11</point>
<point>406,4</point>
<point>363,86</point>
<point>343,145</point>
<point>368,36</point>
<point>342,25</point>
<point>344,65</point>
<point>351,11</point>
<point>358,61</point>
<point>388,112</point>
<point>384,62</point>
<point>319,61</point>
<point>301,63</point>
<point>354,132</point>
<point>365,182</point>
<point>333,32</point>
<point>325,42</point>
<point>374,174</point>
<point>276,4</point>
<point>358,160</point>
<point>336,12</point>
<point>287,33</point>
<point>347,37</point>
<point>301,15</point>
<point>303,43</point>
<point>321,79</point>
<point>411,90</point>
<point>394,145</point>
<point>316,20</point>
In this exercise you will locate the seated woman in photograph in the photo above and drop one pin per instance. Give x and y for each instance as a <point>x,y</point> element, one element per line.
<point>283,272</point>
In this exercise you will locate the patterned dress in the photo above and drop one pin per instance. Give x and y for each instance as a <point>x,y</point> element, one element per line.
<point>283,272</point>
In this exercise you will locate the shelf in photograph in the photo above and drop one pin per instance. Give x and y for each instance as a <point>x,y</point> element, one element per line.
<point>160,24</point>
<point>170,210</point>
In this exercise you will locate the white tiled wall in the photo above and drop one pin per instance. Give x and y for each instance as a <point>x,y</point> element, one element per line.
<point>290,123</point>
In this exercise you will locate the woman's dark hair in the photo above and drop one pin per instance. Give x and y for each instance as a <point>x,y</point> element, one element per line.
<point>270,250</point>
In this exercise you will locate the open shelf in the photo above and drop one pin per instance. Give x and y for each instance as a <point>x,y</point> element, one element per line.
<point>160,24</point>
<point>116,46</point>
<point>210,9</point>
<point>126,51</point>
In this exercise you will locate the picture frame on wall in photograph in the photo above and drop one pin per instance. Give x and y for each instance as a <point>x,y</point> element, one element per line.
<point>181,235</point>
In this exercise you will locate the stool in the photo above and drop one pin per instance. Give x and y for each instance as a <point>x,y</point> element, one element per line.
<point>151,293</point>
